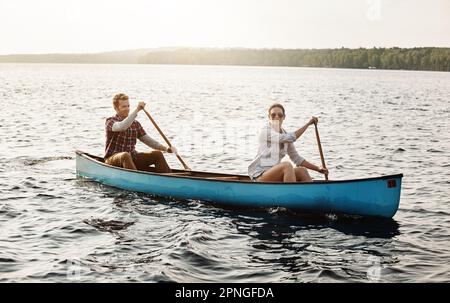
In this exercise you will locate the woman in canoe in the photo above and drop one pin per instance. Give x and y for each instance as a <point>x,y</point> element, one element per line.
<point>122,130</point>
<point>274,144</point>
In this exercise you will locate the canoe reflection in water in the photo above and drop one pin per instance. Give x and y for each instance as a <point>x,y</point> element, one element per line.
<point>253,244</point>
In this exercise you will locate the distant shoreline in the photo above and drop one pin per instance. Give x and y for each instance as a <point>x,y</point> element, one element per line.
<point>423,59</point>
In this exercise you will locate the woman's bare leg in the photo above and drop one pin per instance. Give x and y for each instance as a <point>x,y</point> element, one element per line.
<point>302,175</point>
<point>282,172</point>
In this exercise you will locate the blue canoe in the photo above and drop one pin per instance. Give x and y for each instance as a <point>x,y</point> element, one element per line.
<point>364,197</point>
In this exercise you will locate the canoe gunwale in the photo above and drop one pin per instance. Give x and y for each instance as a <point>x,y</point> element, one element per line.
<point>316,182</point>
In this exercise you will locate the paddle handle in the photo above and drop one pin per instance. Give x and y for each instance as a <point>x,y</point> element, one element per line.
<point>320,150</point>
<point>165,138</point>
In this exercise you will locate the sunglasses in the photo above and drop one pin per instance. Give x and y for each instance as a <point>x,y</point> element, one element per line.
<point>280,115</point>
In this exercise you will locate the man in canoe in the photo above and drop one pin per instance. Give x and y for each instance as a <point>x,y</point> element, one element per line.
<point>274,144</point>
<point>122,130</point>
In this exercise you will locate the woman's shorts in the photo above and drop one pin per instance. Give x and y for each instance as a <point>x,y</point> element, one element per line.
<point>256,176</point>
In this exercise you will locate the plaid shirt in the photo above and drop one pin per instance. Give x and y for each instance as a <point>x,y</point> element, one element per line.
<point>117,142</point>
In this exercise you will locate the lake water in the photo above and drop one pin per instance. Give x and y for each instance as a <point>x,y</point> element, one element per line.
<point>60,228</point>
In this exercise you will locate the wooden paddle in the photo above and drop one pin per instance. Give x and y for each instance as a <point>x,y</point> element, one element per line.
<point>165,138</point>
<point>320,150</point>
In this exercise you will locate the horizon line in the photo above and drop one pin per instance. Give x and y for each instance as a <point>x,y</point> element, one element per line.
<point>214,48</point>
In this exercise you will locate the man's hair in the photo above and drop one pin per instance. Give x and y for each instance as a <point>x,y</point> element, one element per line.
<point>277,105</point>
<point>117,98</point>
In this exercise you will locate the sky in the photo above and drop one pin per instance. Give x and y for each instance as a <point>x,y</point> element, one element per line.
<point>86,26</point>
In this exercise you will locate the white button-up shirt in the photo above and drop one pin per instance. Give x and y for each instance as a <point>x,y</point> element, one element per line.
<point>273,146</point>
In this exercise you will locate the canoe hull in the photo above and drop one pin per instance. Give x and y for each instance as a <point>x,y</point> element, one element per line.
<point>364,197</point>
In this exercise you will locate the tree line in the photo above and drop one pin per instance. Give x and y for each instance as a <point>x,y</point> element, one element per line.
<point>425,58</point>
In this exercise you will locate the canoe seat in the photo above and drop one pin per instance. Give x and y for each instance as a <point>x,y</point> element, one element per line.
<point>178,174</point>
<point>224,178</point>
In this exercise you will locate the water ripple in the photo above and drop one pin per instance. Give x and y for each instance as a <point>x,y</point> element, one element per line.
<point>57,227</point>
